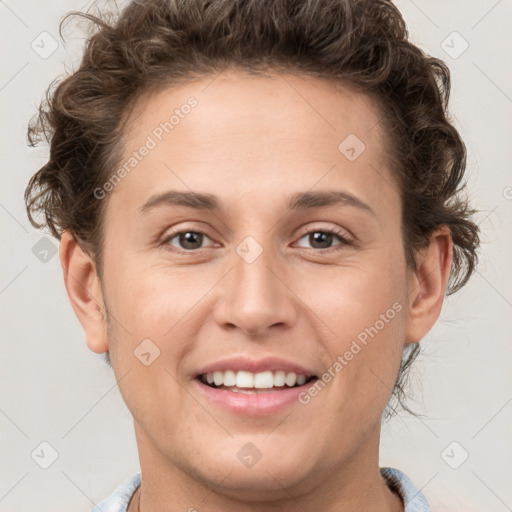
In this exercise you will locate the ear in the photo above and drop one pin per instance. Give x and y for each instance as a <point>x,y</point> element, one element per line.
<point>427,285</point>
<point>84,291</point>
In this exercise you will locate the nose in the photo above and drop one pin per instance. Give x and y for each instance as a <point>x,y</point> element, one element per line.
<point>254,296</point>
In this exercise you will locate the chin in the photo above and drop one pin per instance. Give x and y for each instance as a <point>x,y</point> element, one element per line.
<point>257,474</point>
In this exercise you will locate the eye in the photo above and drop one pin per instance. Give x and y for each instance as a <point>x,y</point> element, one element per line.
<point>188,240</point>
<point>323,239</point>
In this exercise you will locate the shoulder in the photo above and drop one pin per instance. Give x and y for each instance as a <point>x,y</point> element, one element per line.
<point>413,498</point>
<point>119,499</point>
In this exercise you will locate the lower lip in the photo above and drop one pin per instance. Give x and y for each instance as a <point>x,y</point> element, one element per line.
<point>252,404</point>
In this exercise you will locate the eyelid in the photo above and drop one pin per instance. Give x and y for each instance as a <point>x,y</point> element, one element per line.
<point>173,233</point>
<point>344,237</point>
<point>344,241</point>
<point>335,230</point>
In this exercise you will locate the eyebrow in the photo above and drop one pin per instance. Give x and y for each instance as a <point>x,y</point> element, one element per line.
<point>299,201</point>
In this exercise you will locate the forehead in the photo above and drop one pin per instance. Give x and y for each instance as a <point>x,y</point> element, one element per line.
<point>268,132</point>
<point>313,108</point>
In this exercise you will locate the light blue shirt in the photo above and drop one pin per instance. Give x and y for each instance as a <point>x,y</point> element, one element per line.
<point>413,499</point>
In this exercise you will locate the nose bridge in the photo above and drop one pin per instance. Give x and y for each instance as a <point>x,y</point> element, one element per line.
<point>254,297</point>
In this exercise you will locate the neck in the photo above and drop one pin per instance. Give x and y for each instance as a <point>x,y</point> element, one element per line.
<point>356,485</point>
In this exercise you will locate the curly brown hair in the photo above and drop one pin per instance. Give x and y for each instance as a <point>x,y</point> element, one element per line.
<point>153,44</point>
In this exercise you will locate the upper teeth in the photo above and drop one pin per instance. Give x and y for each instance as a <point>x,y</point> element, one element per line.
<point>243,379</point>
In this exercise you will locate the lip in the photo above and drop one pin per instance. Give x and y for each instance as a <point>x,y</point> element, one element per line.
<point>256,404</point>
<point>248,364</point>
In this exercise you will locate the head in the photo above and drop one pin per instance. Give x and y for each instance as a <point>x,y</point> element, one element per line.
<point>262,181</point>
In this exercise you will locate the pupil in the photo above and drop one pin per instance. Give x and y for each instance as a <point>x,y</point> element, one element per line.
<point>321,237</point>
<point>187,239</point>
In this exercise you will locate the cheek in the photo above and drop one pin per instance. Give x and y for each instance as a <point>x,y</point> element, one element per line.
<point>353,296</point>
<point>362,309</point>
<point>165,306</point>
<point>149,337</point>
<point>153,300</point>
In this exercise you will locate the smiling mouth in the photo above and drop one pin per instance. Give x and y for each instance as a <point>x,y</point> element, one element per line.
<point>247,382</point>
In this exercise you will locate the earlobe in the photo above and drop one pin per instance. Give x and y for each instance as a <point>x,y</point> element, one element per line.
<point>83,287</point>
<point>427,285</point>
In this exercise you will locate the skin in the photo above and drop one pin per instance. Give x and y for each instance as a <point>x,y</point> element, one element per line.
<point>252,142</point>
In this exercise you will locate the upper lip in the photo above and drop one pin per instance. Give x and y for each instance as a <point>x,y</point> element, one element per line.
<point>253,365</point>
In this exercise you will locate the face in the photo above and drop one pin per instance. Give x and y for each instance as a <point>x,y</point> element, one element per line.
<point>257,243</point>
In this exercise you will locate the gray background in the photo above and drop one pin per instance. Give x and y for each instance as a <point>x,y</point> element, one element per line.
<point>54,390</point>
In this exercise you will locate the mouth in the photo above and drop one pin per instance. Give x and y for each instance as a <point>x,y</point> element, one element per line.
<point>255,383</point>
<point>246,386</point>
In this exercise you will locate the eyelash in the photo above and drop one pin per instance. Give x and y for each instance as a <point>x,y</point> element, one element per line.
<point>339,234</point>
